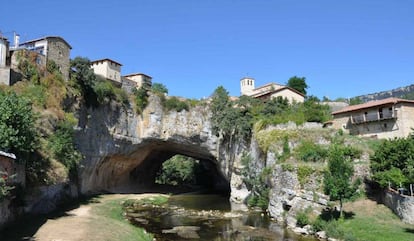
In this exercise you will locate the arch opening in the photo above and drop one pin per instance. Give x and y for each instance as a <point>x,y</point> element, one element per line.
<point>136,170</point>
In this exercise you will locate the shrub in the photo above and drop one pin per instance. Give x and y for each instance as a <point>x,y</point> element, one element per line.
<point>302,219</point>
<point>104,91</point>
<point>308,151</point>
<point>176,104</point>
<point>141,99</point>
<point>62,146</point>
<point>304,172</point>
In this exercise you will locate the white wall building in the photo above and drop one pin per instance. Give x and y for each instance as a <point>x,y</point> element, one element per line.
<point>269,91</point>
<point>140,79</point>
<point>108,69</point>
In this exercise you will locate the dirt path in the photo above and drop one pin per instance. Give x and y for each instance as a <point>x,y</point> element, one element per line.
<point>82,223</point>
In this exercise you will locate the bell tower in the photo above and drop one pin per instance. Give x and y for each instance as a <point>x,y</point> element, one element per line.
<point>246,86</point>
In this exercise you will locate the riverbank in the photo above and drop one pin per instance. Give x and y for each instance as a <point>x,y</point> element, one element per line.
<point>99,218</point>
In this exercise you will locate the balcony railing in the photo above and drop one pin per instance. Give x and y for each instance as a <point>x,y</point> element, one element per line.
<point>379,116</point>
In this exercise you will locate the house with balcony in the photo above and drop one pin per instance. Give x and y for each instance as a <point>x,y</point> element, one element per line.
<point>270,91</point>
<point>53,48</point>
<point>108,69</point>
<point>387,118</point>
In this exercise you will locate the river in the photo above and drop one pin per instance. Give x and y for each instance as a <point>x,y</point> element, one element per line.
<point>207,217</point>
<point>203,217</point>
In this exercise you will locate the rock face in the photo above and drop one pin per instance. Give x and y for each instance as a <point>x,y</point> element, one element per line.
<point>398,93</point>
<point>123,150</point>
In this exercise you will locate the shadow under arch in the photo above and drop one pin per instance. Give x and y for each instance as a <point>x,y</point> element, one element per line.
<point>135,171</point>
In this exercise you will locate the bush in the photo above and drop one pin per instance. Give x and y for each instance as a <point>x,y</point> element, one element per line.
<point>302,219</point>
<point>176,104</point>
<point>62,146</point>
<point>304,172</point>
<point>308,151</point>
<point>104,91</point>
<point>141,99</point>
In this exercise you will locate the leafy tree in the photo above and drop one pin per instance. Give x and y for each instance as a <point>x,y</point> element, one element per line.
<point>355,101</point>
<point>159,88</point>
<point>17,125</point>
<point>337,179</point>
<point>220,103</point>
<point>314,111</point>
<point>179,170</point>
<point>84,77</point>
<point>298,83</point>
<point>393,162</point>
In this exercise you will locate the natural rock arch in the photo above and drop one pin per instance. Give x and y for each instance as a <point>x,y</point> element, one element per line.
<point>122,150</point>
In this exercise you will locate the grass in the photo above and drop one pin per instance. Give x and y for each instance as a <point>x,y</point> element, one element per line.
<point>110,217</point>
<point>373,221</point>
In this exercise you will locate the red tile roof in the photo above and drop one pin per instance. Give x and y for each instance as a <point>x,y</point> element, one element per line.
<point>371,104</point>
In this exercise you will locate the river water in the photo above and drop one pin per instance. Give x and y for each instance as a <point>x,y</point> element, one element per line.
<point>207,217</point>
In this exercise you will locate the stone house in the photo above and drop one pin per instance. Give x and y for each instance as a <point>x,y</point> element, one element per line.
<point>53,48</point>
<point>136,81</point>
<point>387,118</point>
<point>270,91</point>
<point>108,69</point>
<point>10,170</point>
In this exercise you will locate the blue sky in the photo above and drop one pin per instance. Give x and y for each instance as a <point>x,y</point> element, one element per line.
<point>343,48</point>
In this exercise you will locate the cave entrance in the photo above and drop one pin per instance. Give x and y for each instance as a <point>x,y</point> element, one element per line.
<point>141,170</point>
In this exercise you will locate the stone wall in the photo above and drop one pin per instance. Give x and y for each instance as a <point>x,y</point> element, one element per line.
<point>403,206</point>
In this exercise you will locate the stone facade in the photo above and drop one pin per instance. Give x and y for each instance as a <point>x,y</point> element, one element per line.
<point>11,170</point>
<point>53,48</point>
<point>388,118</point>
<point>138,79</point>
<point>401,205</point>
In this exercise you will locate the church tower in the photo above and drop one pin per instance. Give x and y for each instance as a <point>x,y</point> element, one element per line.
<point>246,86</point>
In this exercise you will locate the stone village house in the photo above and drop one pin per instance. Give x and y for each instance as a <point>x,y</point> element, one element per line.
<point>49,48</point>
<point>387,118</point>
<point>111,70</point>
<point>270,91</point>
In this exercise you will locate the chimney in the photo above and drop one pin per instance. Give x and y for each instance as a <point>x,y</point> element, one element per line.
<point>16,40</point>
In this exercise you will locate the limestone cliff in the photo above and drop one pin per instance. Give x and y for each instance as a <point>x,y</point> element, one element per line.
<point>123,150</point>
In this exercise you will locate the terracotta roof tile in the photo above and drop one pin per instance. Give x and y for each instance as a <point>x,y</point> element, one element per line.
<point>371,104</point>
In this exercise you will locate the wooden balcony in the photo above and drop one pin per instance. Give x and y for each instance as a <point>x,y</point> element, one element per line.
<point>371,117</point>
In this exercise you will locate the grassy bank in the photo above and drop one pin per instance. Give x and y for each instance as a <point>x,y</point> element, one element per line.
<point>108,215</point>
<point>365,220</point>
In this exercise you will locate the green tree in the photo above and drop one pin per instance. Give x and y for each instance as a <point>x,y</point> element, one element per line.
<point>220,103</point>
<point>337,179</point>
<point>355,101</point>
<point>84,77</point>
<point>17,125</point>
<point>178,170</point>
<point>298,83</point>
<point>393,162</point>
<point>159,88</point>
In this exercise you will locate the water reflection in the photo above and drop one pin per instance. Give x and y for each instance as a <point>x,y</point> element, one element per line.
<point>206,217</point>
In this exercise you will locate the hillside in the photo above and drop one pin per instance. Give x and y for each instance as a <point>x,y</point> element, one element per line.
<point>406,92</point>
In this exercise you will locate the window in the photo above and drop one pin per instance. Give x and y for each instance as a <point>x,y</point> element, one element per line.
<point>385,125</point>
<point>381,115</point>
